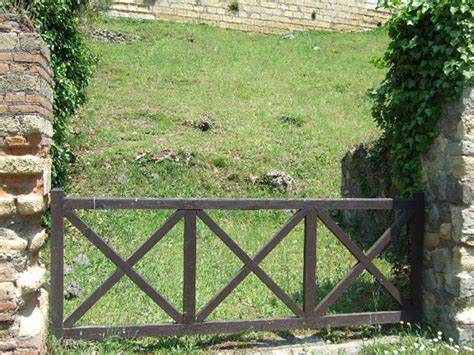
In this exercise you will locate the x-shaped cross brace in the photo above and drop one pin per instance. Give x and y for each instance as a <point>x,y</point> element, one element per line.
<point>250,265</point>
<point>124,267</point>
<point>364,261</point>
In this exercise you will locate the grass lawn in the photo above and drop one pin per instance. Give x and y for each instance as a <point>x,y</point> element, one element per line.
<point>296,105</point>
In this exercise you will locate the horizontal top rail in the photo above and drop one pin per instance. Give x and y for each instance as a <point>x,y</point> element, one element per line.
<point>91,203</point>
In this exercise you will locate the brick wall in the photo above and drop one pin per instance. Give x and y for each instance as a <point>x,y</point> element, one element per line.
<point>266,16</point>
<point>25,140</point>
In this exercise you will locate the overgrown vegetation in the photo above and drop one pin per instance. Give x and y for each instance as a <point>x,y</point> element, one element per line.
<point>58,22</point>
<point>430,60</point>
<point>275,104</point>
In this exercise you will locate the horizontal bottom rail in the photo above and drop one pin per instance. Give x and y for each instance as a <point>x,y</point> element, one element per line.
<point>236,326</point>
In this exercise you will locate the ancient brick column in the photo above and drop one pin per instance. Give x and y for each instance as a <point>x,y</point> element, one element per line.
<point>449,238</point>
<point>25,140</point>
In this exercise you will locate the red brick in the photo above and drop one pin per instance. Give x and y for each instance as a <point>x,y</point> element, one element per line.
<point>7,306</point>
<point>24,108</point>
<point>27,58</point>
<point>35,139</point>
<point>17,68</point>
<point>13,179</point>
<point>15,97</point>
<point>6,56</point>
<point>21,150</point>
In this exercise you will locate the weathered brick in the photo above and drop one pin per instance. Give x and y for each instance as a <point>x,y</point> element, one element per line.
<point>15,97</point>
<point>4,68</point>
<point>6,57</point>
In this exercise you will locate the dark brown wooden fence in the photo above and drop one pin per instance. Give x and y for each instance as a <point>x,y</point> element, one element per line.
<point>190,320</point>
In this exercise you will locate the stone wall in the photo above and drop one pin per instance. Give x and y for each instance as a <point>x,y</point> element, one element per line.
<point>25,139</point>
<point>265,16</point>
<point>449,233</point>
<point>448,173</point>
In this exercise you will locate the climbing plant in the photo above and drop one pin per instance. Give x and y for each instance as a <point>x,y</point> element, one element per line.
<point>429,60</point>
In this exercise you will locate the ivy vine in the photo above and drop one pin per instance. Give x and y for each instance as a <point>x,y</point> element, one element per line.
<point>430,61</point>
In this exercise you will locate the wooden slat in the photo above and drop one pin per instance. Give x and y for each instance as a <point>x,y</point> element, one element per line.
<point>375,250</point>
<point>251,264</point>
<point>236,326</point>
<point>417,246</point>
<point>123,265</point>
<point>360,256</point>
<point>310,247</point>
<point>236,204</point>
<point>189,278</point>
<point>242,274</point>
<point>118,274</point>
<point>57,262</point>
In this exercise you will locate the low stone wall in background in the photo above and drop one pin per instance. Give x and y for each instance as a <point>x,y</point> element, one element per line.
<point>264,16</point>
<point>25,139</point>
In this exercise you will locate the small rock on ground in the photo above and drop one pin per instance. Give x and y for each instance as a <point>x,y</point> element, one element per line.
<point>73,290</point>
<point>113,37</point>
<point>280,180</point>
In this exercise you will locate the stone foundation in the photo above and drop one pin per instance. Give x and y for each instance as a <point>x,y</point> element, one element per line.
<point>25,140</point>
<point>272,16</point>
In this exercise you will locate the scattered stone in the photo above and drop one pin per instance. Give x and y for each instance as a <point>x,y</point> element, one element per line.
<point>316,48</point>
<point>113,37</point>
<point>290,36</point>
<point>204,123</point>
<point>77,131</point>
<point>280,180</point>
<point>74,290</point>
<point>165,155</point>
<point>81,260</point>
<point>187,155</point>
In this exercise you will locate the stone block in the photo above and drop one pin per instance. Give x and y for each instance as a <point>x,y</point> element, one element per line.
<point>8,42</point>
<point>445,231</point>
<point>429,279</point>
<point>462,166</point>
<point>30,124</point>
<point>459,193</point>
<point>10,242</point>
<point>7,273</point>
<point>37,240</point>
<point>463,258</point>
<point>7,205</point>
<point>33,320</point>
<point>24,164</point>
<point>30,204</point>
<point>441,259</point>
<point>31,279</point>
<point>31,42</point>
<point>431,240</point>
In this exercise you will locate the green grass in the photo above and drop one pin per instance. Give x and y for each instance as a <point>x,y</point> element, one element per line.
<point>275,103</point>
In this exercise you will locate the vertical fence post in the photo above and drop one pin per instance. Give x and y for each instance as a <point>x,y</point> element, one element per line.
<point>417,245</point>
<point>57,261</point>
<point>310,245</point>
<point>189,281</point>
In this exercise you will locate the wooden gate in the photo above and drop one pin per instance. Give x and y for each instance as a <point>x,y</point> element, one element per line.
<point>189,320</point>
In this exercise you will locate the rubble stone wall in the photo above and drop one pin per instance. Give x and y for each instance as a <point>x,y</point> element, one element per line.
<point>26,83</point>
